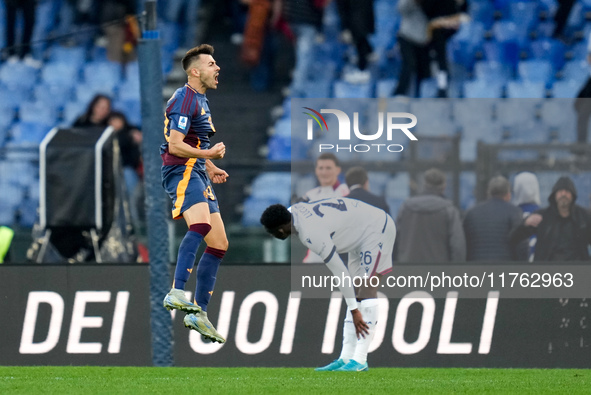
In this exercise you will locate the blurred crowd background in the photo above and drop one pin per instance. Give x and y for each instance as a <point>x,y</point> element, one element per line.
<point>494,72</point>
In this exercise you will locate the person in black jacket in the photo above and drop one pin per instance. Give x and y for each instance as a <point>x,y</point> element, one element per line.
<point>488,224</point>
<point>563,228</point>
<point>358,182</point>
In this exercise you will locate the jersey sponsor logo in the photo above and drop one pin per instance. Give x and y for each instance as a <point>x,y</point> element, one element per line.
<point>183,123</point>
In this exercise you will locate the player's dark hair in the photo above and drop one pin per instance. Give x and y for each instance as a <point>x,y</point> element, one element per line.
<point>193,53</point>
<point>356,176</point>
<point>328,156</point>
<point>274,216</point>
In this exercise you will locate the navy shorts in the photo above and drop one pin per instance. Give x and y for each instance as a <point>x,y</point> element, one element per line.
<point>186,187</point>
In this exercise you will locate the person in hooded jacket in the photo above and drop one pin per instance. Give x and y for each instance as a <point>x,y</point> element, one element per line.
<point>430,228</point>
<point>563,229</point>
<point>526,196</point>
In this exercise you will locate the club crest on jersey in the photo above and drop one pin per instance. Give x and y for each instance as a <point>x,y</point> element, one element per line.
<point>183,123</point>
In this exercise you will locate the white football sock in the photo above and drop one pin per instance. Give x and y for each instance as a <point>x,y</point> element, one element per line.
<point>369,312</point>
<point>349,338</point>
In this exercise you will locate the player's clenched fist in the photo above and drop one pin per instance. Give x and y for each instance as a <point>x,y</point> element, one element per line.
<point>217,151</point>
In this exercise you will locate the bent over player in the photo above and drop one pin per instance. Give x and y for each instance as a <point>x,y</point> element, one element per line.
<point>330,227</point>
<point>187,172</point>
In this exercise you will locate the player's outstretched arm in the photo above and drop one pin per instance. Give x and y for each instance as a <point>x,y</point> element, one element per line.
<point>178,147</point>
<point>216,175</point>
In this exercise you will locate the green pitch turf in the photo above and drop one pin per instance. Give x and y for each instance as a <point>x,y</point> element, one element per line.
<point>131,380</point>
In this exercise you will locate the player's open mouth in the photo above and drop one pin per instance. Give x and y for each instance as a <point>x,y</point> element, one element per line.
<point>215,77</point>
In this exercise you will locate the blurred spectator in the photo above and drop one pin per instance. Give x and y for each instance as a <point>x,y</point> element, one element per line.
<point>358,183</point>
<point>444,17</point>
<point>259,41</point>
<point>327,172</point>
<point>583,103</point>
<point>357,20</point>
<point>563,228</point>
<point>429,226</point>
<point>413,41</point>
<point>120,28</point>
<point>526,196</point>
<point>305,20</point>
<point>130,139</point>
<point>561,17</point>
<point>23,51</point>
<point>488,224</point>
<point>97,113</point>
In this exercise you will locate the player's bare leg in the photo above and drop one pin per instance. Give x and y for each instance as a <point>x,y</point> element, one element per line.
<point>198,222</point>
<point>217,244</point>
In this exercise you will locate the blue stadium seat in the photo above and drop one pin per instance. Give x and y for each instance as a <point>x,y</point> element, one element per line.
<point>566,88</point>
<point>18,75</point>
<point>378,181</point>
<point>398,187</point>
<point>253,208</point>
<point>385,87</point>
<point>576,70</point>
<point>492,71</point>
<point>272,185</point>
<point>13,96</point>
<point>280,149</point>
<point>132,110</point>
<point>428,88</point>
<point>522,90</point>
<point>524,13</point>
<point>535,71</point>
<point>53,95</point>
<point>6,117</point>
<point>482,89</point>
<point>483,130</point>
<point>60,73</point>
<point>483,12</point>
<point>72,110</point>
<point>344,89</point>
<point>28,133</point>
<point>315,89</point>
<point>512,112</point>
<point>529,131</point>
<point>85,93</point>
<point>106,75</point>
<point>431,109</point>
<point>469,111</point>
<point>37,112</point>
<point>506,52</point>
<point>548,49</point>
<point>129,90</point>
<point>505,31</point>
<point>282,127</point>
<point>75,56</point>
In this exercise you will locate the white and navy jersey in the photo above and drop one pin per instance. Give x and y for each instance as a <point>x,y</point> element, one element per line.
<point>337,222</point>
<point>326,192</point>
